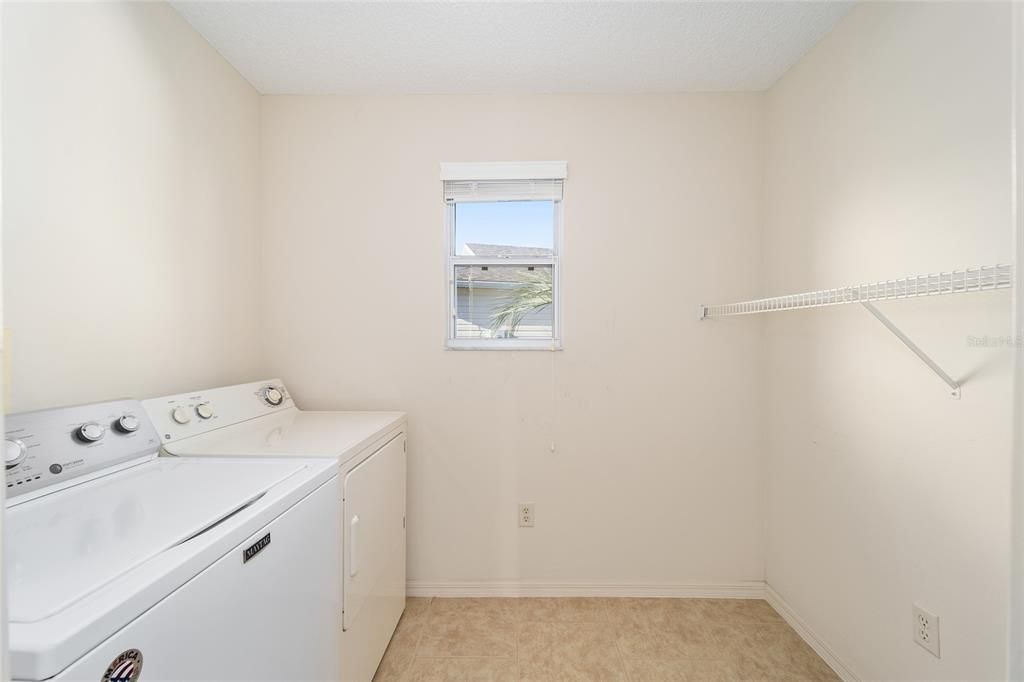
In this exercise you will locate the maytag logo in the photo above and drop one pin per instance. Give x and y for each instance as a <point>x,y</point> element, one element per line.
<point>255,548</point>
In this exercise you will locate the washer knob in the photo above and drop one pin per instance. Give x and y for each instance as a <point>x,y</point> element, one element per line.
<point>128,423</point>
<point>181,415</point>
<point>14,452</point>
<point>273,396</point>
<point>204,410</point>
<point>91,432</point>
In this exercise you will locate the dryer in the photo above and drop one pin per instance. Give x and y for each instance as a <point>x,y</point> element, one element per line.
<point>260,419</point>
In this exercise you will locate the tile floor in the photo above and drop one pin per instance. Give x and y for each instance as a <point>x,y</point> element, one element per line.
<point>590,639</point>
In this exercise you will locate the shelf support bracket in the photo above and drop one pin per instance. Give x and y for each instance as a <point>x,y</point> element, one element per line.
<point>953,385</point>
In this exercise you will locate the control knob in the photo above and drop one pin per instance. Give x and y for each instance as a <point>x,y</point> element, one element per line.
<point>91,432</point>
<point>273,396</point>
<point>128,423</point>
<point>14,452</point>
<point>204,410</point>
<point>181,415</point>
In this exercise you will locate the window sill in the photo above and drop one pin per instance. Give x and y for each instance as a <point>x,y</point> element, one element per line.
<point>504,344</point>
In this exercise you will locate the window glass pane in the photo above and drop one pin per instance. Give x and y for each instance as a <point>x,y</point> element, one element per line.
<point>503,302</point>
<point>504,228</point>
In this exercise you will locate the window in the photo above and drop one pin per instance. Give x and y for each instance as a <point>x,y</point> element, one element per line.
<point>503,222</point>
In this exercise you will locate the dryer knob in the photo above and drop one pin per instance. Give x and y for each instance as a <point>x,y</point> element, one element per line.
<point>180,415</point>
<point>273,396</point>
<point>204,410</point>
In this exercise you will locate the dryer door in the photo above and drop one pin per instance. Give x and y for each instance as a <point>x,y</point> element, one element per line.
<point>374,554</point>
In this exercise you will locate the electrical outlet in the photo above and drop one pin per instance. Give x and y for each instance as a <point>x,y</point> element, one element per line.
<point>526,515</point>
<point>926,630</point>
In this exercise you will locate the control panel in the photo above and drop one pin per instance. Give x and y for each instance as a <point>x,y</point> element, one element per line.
<point>56,446</point>
<point>191,414</point>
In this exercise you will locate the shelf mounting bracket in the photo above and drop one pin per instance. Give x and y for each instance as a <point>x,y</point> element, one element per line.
<point>888,324</point>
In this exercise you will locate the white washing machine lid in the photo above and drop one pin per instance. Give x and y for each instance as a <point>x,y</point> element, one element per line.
<point>86,561</point>
<point>66,545</point>
<point>293,433</point>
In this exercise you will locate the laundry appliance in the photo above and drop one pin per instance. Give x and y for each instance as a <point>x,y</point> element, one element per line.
<point>122,565</point>
<point>260,419</point>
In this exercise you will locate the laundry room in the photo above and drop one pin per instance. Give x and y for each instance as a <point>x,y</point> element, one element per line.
<point>512,340</point>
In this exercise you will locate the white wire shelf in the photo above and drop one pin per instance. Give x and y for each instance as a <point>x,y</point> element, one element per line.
<point>984,278</point>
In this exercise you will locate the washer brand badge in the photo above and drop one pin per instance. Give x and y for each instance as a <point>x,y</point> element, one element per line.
<point>125,668</point>
<point>255,548</point>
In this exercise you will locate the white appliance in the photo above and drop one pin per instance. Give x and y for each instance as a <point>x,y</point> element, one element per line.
<point>260,419</point>
<point>124,566</point>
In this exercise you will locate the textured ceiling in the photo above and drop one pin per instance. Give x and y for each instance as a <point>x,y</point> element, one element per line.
<point>486,47</point>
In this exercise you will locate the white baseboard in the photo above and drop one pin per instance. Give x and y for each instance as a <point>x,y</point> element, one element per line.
<point>820,646</point>
<point>753,589</point>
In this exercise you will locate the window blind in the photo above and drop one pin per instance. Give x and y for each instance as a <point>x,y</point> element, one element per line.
<point>502,190</point>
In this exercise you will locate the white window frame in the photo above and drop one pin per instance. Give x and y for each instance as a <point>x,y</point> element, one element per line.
<point>542,170</point>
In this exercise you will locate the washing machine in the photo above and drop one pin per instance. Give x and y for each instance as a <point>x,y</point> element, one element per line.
<point>261,419</point>
<point>123,565</point>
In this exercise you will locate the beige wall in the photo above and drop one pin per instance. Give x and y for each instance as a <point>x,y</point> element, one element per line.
<point>3,384</point>
<point>888,153</point>
<point>138,164</point>
<point>656,474</point>
<point>130,216</point>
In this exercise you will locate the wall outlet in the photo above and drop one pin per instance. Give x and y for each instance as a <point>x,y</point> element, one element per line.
<point>926,630</point>
<point>526,515</point>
